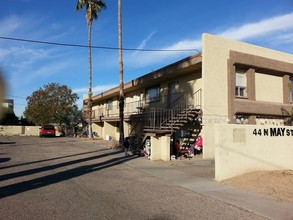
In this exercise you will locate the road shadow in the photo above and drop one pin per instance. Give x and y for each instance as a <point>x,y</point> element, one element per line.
<point>50,159</point>
<point>17,144</point>
<point>24,186</point>
<point>7,142</point>
<point>5,159</point>
<point>42,141</point>
<point>54,166</point>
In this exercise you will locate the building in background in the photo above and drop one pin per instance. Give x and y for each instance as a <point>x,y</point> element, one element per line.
<point>8,104</point>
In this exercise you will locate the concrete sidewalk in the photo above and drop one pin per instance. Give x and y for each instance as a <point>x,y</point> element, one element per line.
<point>197,175</point>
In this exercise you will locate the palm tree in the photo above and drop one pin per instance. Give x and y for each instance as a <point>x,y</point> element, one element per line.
<point>93,8</point>
<point>121,92</point>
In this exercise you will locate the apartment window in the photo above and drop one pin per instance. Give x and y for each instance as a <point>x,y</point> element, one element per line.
<point>291,89</point>
<point>153,94</point>
<point>240,89</point>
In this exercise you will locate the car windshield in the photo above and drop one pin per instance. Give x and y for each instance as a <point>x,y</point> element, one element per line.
<point>48,127</point>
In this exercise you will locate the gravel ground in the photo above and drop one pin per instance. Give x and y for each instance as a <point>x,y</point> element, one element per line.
<point>275,183</point>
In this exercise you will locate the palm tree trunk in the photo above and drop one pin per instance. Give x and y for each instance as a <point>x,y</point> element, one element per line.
<point>90,82</point>
<point>121,92</point>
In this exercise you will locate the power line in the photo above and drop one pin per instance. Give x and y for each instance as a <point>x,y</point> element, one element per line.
<point>19,97</point>
<point>95,47</point>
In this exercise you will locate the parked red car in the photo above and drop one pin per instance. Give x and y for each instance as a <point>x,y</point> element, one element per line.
<point>47,130</point>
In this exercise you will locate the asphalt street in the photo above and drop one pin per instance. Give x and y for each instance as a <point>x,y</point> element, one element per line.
<point>69,178</point>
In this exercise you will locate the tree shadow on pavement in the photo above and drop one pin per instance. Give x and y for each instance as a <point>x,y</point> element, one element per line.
<point>7,142</point>
<point>24,186</point>
<point>52,167</point>
<point>4,159</point>
<point>50,159</point>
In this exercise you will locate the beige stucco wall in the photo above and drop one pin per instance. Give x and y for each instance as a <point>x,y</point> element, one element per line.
<point>32,130</point>
<point>19,130</point>
<point>133,102</point>
<point>23,130</point>
<point>10,130</point>
<point>190,84</point>
<point>215,55</point>
<point>98,128</point>
<point>110,130</point>
<point>187,84</point>
<point>268,84</point>
<point>160,148</point>
<point>246,148</point>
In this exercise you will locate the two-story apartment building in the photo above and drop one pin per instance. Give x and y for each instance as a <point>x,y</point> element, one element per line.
<point>228,82</point>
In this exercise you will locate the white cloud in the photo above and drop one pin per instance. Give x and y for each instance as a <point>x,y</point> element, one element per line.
<point>47,71</point>
<point>144,42</point>
<point>285,38</point>
<point>145,58</point>
<point>185,45</point>
<point>84,91</point>
<point>96,89</point>
<point>263,27</point>
<point>251,30</point>
<point>4,53</point>
<point>9,24</point>
<point>22,56</point>
<point>22,60</point>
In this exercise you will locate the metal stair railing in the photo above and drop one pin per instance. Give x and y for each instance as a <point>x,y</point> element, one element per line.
<point>161,118</point>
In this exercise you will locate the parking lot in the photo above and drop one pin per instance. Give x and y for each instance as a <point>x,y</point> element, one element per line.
<point>68,178</point>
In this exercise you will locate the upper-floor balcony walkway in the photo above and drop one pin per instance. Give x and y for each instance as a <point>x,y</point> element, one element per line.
<point>162,105</point>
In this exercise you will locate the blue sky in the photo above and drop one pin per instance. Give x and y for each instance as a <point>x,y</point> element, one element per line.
<point>147,24</point>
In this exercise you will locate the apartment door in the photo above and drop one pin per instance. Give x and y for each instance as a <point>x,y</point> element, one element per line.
<point>136,103</point>
<point>172,95</point>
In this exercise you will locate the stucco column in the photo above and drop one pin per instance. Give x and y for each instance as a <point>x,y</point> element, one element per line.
<point>286,89</point>
<point>231,90</point>
<point>155,149</point>
<point>165,148</point>
<point>160,148</point>
<point>250,75</point>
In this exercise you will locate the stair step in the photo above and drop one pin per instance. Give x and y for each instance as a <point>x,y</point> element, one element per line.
<point>184,115</point>
<point>172,126</point>
<point>185,120</point>
<point>169,127</point>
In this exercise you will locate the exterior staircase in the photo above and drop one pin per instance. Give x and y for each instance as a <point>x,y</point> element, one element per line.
<point>169,120</point>
<point>180,119</point>
<point>162,121</point>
